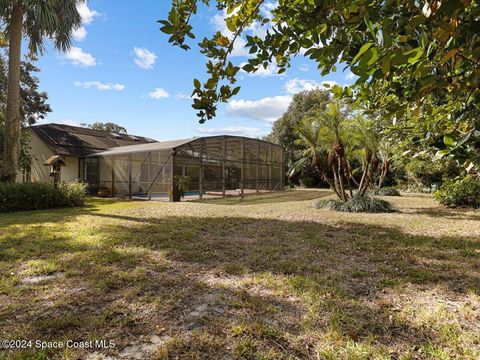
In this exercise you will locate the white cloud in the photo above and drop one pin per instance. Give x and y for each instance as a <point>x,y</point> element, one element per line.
<point>86,13</point>
<point>80,58</point>
<point>99,85</point>
<point>255,29</point>
<point>158,93</point>
<point>183,96</point>
<point>144,58</point>
<point>266,109</point>
<point>350,76</point>
<point>79,34</point>
<point>304,67</point>
<point>233,130</point>
<point>294,86</point>
<point>268,7</point>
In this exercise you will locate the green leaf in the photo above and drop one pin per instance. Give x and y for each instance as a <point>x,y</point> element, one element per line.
<point>210,84</point>
<point>414,55</point>
<point>362,51</point>
<point>449,141</point>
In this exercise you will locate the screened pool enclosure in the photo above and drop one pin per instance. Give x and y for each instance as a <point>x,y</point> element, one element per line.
<point>216,166</point>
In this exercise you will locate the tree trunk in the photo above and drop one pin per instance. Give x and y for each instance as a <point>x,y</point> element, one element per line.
<point>340,178</point>
<point>384,172</point>
<point>338,190</point>
<point>319,168</point>
<point>347,177</point>
<point>368,180</point>
<point>13,120</point>
<point>350,175</point>
<point>362,181</point>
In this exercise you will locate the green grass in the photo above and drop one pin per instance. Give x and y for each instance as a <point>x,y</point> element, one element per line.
<point>264,277</point>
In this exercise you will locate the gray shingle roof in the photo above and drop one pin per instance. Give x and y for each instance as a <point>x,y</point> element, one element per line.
<point>78,141</point>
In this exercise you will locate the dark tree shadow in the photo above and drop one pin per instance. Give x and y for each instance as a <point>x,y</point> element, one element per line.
<point>182,277</point>
<point>268,198</point>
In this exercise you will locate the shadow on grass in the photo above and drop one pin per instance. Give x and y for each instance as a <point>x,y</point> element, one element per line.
<point>455,214</point>
<point>268,198</point>
<point>239,287</point>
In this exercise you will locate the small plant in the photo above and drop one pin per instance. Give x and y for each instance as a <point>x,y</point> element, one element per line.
<point>464,192</point>
<point>356,204</point>
<point>384,191</point>
<point>180,186</point>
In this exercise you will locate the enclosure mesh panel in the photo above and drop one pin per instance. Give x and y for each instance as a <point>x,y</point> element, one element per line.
<point>212,164</point>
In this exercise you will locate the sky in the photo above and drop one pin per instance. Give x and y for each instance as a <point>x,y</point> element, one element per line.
<point>122,69</point>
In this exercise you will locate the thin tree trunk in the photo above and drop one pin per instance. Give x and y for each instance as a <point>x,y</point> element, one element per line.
<point>362,181</point>
<point>323,173</point>
<point>338,189</point>
<point>340,178</point>
<point>350,175</point>
<point>385,168</point>
<point>349,185</point>
<point>13,120</point>
<point>368,179</point>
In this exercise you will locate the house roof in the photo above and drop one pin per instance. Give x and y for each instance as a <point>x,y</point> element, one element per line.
<point>78,141</point>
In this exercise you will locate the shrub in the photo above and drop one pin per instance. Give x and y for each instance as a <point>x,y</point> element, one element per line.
<point>356,204</point>
<point>384,191</point>
<point>457,193</point>
<point>423,174</point>
<point>34,196</point>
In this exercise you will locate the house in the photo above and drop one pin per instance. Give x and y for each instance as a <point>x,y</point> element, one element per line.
<point>134,166</point>
<point>73,144</point>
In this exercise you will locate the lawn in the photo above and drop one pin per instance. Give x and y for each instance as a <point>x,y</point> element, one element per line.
<point>267,277</point>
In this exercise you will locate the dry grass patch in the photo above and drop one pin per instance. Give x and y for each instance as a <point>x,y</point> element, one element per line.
<point>264,277</point>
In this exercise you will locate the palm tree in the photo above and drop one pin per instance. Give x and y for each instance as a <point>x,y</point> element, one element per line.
<point>36,20</point>
<point>340,139</point>
<point>321,133</point>
<point>311,136</point>
<point>366,141</point>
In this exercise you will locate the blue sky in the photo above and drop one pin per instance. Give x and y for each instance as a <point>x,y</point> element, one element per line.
<point>121,69</point>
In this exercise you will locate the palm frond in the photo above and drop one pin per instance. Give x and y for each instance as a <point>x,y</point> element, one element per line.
<point>53,19</point>
<point>297,166</point>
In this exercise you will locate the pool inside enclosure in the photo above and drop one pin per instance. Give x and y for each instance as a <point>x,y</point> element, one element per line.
<point>216,165</point>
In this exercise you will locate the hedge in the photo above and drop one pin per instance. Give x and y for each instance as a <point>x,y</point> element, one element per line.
<point>35,196</point>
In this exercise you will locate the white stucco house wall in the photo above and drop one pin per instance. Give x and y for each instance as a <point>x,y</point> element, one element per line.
<point>74,144</point>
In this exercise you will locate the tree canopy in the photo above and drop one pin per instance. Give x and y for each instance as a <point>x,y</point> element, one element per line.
<point>33,101</point>
<point>418,63</point>
<point>35,20</point>
<point>108,126</point>
<point>283,129</point>
<point>33,104</point>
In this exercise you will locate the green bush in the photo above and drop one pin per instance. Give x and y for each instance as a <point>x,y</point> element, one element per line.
<point>458,193</point>
<point>356,204</point>
<point>423,174</point>
<point>34,196</point>
<point>384,191</point>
